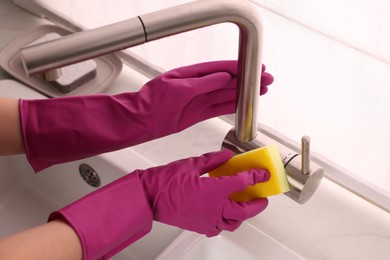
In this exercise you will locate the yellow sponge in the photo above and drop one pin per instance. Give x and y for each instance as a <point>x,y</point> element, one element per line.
<point>267,158</point>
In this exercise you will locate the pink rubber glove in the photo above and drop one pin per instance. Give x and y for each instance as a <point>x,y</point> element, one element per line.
<point>70,128</point>
<point>111,218</point>
<point>180,196</point>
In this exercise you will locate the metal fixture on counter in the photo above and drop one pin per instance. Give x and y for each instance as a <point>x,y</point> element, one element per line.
<point>50,75</point>
<point>303,176</point>
<point>88,44</point>
<point>89,175</point>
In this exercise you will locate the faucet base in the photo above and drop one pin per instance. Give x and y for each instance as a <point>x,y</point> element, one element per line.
<point>302,185</point>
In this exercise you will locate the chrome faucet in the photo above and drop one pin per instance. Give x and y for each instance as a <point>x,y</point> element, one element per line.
<point>47,58</point>
<point>84,45</point>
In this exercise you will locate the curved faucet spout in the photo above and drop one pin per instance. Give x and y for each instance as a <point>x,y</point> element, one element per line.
<point>92,43</point>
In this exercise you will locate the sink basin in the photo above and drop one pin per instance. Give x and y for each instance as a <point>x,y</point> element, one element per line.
<point>246,243</point>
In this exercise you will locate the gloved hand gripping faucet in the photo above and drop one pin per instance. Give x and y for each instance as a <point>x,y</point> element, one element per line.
<point>65,129</point>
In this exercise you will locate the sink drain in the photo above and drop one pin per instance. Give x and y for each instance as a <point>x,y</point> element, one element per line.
<point>89,175</point>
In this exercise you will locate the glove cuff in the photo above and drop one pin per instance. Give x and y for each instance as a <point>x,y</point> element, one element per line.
<point>109,219</point>
<point>71,128</point>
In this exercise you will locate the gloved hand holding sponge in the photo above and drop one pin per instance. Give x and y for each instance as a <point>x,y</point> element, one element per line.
<point>109,219</point>
<point>176,194</point>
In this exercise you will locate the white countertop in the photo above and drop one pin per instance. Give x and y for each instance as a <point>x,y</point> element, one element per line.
<point>334,224</point>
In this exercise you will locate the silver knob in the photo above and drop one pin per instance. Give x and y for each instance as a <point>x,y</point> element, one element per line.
<point>305,159</point>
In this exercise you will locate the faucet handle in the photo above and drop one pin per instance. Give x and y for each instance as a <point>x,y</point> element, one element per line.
<point>305,157</point>
<point>305,178</point>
